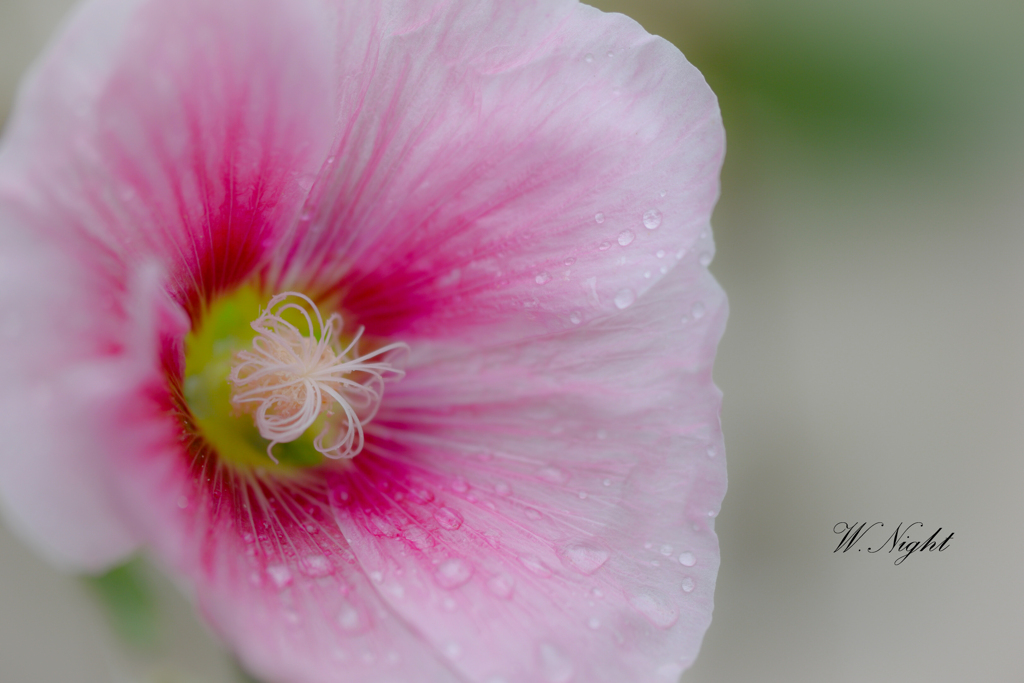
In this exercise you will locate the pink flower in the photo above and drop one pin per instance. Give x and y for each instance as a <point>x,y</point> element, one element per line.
<point>517,192</point>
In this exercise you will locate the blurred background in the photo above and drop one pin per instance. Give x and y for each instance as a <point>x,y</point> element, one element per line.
<point>871,240</point>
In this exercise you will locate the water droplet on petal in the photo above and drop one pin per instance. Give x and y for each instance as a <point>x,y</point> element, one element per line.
<point>348,617</point>
<point>626,237</point>
<point>604,246</point>
<point>452,650</point>
<point>448,518</point>
<point>660,253</point>
<point>584,558</point>
<point>657,609</point>
<point>421,496</point>
<point>705,259</point>
<point>501,585</point>
<point>575,318</point>
<point>453,573</point>
<point>666,550</point>
<point>535,565</point>
<point>460,485</point>
<point>555,665</point>
<point>662,193</point>
<point>543,278</point>
<point>594,623</point>
<point>569,261</point>
<point>624,298</point>
<point>533,514</point>
<point>502,489</point>
<point>599,217</point>
<point>552,474</point>
<point>687,585</point>
<point>589,57</point>
<point>687,559</point>
<point>582,495</point>
<point>182,502</point>
<point>376,576</point>
<point>280,575</point>
<point>712,452</point>
<point>652,219</point>
<point>316,566</point>
<point>698,311</point>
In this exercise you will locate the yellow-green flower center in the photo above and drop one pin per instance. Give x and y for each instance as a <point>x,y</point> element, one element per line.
<point>262,377</point>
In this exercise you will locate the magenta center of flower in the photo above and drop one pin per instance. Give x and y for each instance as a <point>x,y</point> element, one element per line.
<point>296,375</point>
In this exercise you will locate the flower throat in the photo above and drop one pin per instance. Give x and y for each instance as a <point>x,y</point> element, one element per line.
<point>260,381</point>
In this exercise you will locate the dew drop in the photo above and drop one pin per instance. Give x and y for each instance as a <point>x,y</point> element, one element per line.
<point>555,665</point>
<point>448,518</point>
<point>662,193</point>
<point>502,489</point>
<point>376,576</point>
<point>280,575</point>
<point>712,452</point>
<point>532,514</point>
<point>311,528</point>
<point>647,274</point>
<point>348,617</point>
<point>316,566</point>
<point>604,246</point>
<point>660,253</point>
<point>452,651</point>
<point>569,261</point>
<point>552,474</point>
<point>182,502</point>
<point>594,623</point>
<point>705,259</point>
<point>687,559</point>
<point>501,585</point>
<point>652,219</point>
<point>666,550</point>
<point>597,593</point>
<point>607,482</point>
<point>460,485</point>
<point>453,573</point>
<point>535,565</point>
<point>543,278</point>
<point>584,558</point>
<point>582,495</point>
<point>421,496</point>
<point>624,298</point>
<point>575,318</point>
<point>599,217</point>
<point>687,585</point>
<point>626,237</point>
<point>448,605</point>
<point>698,311</point>
<point>657,609</point>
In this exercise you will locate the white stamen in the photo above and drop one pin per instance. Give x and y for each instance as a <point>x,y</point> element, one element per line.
<point>288,379</point>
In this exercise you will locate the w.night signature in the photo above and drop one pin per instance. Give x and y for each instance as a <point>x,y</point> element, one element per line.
<point>901,540</point>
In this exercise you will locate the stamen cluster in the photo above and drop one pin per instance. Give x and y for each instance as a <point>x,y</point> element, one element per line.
<point>289,379</point>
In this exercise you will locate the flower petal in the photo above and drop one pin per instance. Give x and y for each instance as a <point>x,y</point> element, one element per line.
<point>182,136</point>
<point>548,507</point>
<point>528,173</point>
<point>272,573</point>
<point>187,132</point>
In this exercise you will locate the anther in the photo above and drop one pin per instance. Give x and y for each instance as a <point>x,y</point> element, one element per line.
<point>289,378</point>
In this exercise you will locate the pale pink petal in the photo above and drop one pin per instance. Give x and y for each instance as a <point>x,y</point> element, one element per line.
<point>548,507</point>
<point>177,135</point>
<point>509,165</point>
<point>188,132</point>
<point>272,572</point>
